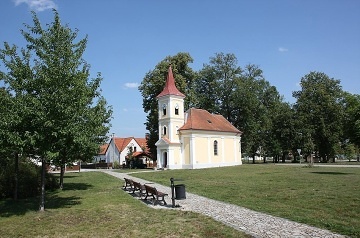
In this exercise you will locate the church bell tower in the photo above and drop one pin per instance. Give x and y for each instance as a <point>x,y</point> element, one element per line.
<point>171,118</point>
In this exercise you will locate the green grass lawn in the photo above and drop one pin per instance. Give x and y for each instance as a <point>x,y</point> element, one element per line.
<point>93,204</point>
<point>325,197</point>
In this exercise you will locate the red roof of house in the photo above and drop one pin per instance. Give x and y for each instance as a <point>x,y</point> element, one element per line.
<point>121,143</point>
<point>143,144</point>
<point>103,149</point>
<point>170,87</point>
<point>199,119</point>
<point>138,153</point>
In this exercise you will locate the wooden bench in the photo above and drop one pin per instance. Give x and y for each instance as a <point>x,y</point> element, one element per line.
<point>157,196</point>
<point>139,187</point>
<point>128,183</point>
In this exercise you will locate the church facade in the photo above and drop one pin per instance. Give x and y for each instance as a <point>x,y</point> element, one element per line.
<point>194,139</point>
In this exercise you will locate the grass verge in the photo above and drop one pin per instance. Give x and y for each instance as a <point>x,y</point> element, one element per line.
<point>325,197</point>
<point>92,204</point>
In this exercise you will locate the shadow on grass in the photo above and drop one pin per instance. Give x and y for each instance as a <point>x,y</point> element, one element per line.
<point>76,186</point>
<point>70,176</point>
<point>331,173</point>
<point>55,202</point>
<point>10,207</point>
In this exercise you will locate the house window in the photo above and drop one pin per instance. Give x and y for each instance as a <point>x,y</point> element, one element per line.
<point>177,130</point>
<point>215,147</point>
<point>134,148</point>
<point>176,109</point>
<point>164,110</point>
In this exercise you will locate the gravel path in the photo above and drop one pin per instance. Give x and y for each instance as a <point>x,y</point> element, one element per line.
<point>251,222</point>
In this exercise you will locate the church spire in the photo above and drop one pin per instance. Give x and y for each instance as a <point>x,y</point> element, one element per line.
<point>170,87</point>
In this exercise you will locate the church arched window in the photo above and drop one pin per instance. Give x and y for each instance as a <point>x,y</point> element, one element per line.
<point>177,109</point>
<point>164,130</point>
<point>215,147</point>
<point>164,109</point>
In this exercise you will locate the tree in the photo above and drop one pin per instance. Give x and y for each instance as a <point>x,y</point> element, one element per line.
<point>352,120</point>
<point>69,117</point>
<point>216,83</point>
<point>320,112</point>
<point>256,106</point>
<point>15,126</point>
<point>243,97</point>
<point>154,82</point>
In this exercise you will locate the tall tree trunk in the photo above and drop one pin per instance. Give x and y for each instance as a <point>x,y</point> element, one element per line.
<point>42,197</point>
<point>62,172</point>
<point>283,157</point>
<point>16,180</point>
<point>311,160</point>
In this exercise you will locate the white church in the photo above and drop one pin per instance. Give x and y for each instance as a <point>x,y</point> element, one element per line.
<point>194,139</point>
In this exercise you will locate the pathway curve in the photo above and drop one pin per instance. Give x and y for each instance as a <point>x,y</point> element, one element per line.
<point>251,222</point>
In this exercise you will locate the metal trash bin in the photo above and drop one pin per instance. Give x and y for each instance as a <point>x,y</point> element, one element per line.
<point>180,192</point>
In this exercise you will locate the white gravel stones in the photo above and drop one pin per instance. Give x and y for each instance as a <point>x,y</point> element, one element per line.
<point>254,223</point>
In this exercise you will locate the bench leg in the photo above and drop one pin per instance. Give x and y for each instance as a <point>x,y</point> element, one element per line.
<point>164,201</point>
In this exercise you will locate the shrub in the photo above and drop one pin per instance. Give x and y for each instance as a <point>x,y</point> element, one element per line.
<point>116,165</point>
<point>29,180</point>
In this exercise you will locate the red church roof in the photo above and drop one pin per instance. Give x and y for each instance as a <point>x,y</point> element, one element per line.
<point>170,87</point>
<point>199,119</point>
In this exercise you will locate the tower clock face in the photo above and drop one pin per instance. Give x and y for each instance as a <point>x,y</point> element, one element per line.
<point>177,106</point>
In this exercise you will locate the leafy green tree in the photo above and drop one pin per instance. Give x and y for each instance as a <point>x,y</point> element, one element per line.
<point>352,119</point>
<point>243,97</point>
<point>282,133</point>
<point>349,151</point>
<point>68,117</point>
<point>16,131</point>
<point>320,112</point>
<point>216,83</point>
<point>154,82</point>
<point>256,106</point>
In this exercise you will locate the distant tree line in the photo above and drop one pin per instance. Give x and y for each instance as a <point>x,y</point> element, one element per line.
<point>50,108</point>
<point>324,121</point>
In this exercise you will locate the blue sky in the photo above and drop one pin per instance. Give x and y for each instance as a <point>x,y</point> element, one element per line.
<point>127,38</point>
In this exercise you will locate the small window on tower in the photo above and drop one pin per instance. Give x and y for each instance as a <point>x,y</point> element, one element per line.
<point>164,130</point>
<point>176,109</point>
<point>164,109</point>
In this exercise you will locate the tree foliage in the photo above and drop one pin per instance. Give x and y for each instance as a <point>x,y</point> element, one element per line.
<point>320,112</point>
<point>352,118</point>
<point>60,113</point>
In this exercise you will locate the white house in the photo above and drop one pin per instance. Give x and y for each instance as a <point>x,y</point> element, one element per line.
<point>118,148</point>
<point>101,157</point>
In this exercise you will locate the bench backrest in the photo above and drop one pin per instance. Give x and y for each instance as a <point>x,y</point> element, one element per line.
<point>129,181</point>
<point>150,189</point>
<point>138,185</point>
